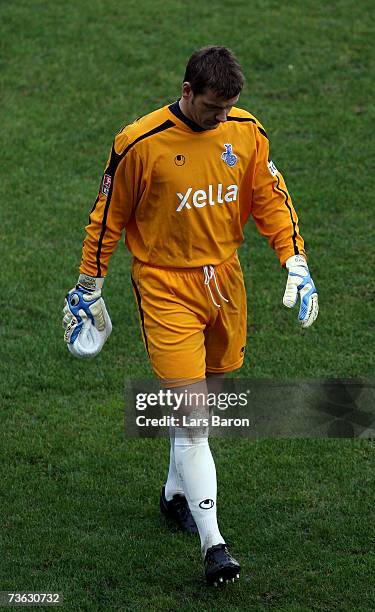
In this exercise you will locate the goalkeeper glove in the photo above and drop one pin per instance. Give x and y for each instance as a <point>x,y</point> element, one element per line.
<point>86,320</point>
<point>300,282</point>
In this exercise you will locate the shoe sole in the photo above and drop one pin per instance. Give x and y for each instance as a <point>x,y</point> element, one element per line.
<point>224,575</point>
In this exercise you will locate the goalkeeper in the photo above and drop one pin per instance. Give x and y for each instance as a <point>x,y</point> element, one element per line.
<point>182,182</point>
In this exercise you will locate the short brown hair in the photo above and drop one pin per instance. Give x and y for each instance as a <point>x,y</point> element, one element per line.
<point>215,68</point>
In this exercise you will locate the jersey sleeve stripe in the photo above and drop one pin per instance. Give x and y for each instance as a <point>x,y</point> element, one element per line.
<point>286,202</point>
<point>93,208</point>
<point>111,170</point>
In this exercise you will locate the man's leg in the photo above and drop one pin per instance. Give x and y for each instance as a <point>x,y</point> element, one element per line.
<point>195,465</point>
<point>174,485</point>
<point>173,502</point>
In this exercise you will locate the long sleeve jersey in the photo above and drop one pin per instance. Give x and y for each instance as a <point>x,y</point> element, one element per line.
<point>183,194</point>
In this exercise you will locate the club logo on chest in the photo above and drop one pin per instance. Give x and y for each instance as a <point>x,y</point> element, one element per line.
<point>228,156</point>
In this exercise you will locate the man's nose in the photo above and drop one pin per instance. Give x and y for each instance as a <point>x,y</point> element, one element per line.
<point>221,116</point>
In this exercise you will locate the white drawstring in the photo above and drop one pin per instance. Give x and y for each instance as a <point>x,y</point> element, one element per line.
<point>209,273</point>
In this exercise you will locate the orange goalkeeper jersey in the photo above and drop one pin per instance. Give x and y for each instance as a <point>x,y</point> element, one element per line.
<point>183,194</point>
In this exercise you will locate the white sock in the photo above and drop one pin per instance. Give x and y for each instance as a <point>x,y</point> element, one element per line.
<point>196,466</point>
<point>174,484</point>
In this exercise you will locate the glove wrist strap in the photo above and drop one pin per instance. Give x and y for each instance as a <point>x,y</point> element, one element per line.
<point>91,283</point>
<point>295,260</point>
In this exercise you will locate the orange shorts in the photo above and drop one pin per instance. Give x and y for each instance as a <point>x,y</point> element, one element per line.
<point>188,326</point>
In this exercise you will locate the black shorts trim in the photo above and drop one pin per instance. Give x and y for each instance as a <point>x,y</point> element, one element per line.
<point>140,310</point>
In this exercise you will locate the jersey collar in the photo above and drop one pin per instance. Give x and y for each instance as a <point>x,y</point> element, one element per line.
<point>177,112</point>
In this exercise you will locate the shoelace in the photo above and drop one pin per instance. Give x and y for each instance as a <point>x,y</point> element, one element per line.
<point>209,274</point>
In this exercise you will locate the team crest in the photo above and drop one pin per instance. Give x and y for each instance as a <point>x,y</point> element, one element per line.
<point>228,156</point>
<point>106,184</point>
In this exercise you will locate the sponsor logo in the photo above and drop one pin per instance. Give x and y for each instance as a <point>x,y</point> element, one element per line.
<point>106,184</point>
<point>272,168</point>
<point>179,160</point>
<point>207,504</point>
<point>228,156</point>
<point>201,197</point>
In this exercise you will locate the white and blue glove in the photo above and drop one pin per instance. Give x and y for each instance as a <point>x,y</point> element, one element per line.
<point>300,282</point>
<point>86,320</point>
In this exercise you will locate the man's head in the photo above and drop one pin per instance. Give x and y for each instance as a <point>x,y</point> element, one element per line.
<point>212,83</point>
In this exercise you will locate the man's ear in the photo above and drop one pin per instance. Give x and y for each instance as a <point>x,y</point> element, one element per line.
<point>186,91</point>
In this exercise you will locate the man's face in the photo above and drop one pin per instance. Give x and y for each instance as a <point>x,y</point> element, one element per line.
<point>207,109</point>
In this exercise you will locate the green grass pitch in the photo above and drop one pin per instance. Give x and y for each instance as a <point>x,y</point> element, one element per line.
<point>79,504</point>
